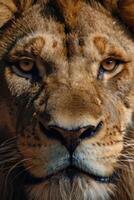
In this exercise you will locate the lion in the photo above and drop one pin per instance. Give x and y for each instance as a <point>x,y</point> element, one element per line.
<point>66,100</point>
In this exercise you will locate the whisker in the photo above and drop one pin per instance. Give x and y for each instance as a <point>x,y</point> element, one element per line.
<point>22,171</point>
<point>8,141</point>
<point>14,167</point>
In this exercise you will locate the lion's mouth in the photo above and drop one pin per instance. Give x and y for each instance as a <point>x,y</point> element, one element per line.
<point>71,173</point>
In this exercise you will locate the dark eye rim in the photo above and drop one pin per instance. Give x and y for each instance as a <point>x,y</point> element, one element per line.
<point>117,63</point>
<point>32,74</point>
<point>102,71</point>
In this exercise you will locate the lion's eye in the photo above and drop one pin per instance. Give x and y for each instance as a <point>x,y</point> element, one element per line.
<point>108,65</point>
<point>25,67</point>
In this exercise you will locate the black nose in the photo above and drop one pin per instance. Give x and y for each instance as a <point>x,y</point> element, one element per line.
<point>71,138</point>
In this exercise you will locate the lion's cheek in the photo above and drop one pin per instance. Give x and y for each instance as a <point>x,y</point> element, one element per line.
<point>101,160</point>
<point>44,160</point>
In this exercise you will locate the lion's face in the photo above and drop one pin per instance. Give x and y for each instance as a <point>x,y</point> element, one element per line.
<point>67,89</point>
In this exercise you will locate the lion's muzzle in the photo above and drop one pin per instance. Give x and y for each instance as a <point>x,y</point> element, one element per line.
<point>71,138</point>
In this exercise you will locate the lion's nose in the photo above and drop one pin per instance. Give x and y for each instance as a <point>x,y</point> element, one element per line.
<point>71,138</point>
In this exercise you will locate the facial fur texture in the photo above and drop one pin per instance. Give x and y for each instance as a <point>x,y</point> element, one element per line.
<point>43,112</point>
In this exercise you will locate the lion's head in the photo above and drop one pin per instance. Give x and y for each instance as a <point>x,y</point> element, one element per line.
<point>66,101</point>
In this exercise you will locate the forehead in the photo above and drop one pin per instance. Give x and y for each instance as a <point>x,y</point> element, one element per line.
<point>58,36</point>
<point>89,19</point>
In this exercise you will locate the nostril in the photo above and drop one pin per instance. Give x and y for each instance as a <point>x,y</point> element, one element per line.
<point>52,133</point>
<point>91,131</point>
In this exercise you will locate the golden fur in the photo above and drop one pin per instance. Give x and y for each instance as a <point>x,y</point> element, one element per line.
<point>67,42</point>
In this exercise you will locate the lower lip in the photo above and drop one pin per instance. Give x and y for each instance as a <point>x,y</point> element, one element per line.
<point>71,173</point>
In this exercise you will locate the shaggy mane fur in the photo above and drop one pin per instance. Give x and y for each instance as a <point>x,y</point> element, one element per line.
<point>69,8</point>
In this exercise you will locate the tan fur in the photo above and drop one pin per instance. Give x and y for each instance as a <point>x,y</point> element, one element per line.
<point>100,44</point>
<point>70,10</point>
<point>7,9</point>
<point>66,41</point>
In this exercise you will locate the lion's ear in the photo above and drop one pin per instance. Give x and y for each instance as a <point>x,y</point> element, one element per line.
<point>125,9</point>
<point>7,10</point>
<point>9,7</point>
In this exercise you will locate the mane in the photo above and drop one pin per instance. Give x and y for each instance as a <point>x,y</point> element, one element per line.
<point>125,189</point>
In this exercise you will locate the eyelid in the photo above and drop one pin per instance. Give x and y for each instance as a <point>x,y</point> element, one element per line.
<point>22,58</point>
<point>26,58</point>
<point>118,58</point>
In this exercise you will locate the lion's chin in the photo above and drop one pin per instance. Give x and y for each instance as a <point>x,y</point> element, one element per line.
<point>70,184</point>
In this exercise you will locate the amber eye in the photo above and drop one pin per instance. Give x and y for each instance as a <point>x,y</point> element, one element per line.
<point>26,68</point>
<point>109,64</point>
<point>26,65</point>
